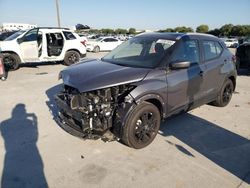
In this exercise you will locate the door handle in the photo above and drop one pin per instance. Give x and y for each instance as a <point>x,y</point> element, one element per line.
<point>201,73</point>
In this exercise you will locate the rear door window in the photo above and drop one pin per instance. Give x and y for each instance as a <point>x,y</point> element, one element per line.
<point>211,49</point>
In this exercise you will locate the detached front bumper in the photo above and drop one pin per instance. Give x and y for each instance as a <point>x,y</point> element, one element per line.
<point>70,120</point>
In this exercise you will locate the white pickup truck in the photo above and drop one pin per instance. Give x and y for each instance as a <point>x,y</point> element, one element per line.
<point>42,44</point>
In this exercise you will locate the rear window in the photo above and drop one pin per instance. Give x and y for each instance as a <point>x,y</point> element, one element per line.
<point>68,35</point>
<point>212,49</point>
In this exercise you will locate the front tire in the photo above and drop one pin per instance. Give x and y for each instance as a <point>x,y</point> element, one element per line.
<point>11,61</point>
<point>141,126</point>
<point>225,94</point>
<point>71,57</point>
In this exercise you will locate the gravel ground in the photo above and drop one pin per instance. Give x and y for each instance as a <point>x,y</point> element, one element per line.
<point>207,147</point>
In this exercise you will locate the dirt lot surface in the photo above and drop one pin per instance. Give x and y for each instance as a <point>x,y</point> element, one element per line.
<point>207,147</point>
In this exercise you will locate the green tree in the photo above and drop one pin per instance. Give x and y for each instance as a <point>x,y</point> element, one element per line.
<point>237,30</point>
<point>107,31</point>
<point>183,29</point>
<point>215,32</point>
<point>202,29</point>
<point>94,31</point>
<point>121,31</point>
<point>226,29</point>
<point>245,30</point>
<point>168,30</point>
<point>132,31</point>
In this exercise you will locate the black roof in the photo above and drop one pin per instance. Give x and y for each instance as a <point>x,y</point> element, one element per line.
<point>177,36</point>
<point>170,36</point>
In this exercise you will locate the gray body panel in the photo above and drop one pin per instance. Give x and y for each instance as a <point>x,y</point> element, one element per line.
<point>96,74</point>
<point>175,90</point>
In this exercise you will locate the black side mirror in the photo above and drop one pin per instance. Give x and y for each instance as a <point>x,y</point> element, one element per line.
<point>180,65</point>
<point>19,40</point>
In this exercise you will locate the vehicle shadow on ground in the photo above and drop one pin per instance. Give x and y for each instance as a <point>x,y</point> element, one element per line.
<point>51,103</point>
<point>227,149</point>
<point>38,64</point>
<point>243,72</point>
<point>23,165</point>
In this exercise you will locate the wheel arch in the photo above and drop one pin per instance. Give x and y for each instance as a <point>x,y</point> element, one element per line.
<point>155,100</point>
<point>73,49</point>
<point>11,52</point>
<point>233,79</point>
<point>97,46</point>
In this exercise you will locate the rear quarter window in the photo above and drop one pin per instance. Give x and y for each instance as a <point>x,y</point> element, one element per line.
<point>68,35</point>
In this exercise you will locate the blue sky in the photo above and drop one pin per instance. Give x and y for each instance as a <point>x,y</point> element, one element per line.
<point>141,14</point>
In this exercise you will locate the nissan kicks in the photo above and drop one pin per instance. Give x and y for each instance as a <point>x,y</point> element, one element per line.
<point>148,78</point>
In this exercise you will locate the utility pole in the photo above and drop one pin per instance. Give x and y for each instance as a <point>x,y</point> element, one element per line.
<point>58,13</point>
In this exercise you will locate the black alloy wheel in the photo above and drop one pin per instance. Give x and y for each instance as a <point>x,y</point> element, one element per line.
<point>142,125</point>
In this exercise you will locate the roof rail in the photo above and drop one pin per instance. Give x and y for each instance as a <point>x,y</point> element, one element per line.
<point>53,28</point>
<point>201,34</point>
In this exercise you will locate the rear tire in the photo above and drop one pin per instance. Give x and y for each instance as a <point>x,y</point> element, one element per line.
<point>11,61</point>
<point>225,94</point>
<point>141,126</point>
<point>71,57</point>
<point>96,49</point>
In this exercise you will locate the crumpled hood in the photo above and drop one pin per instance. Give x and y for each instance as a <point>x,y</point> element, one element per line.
<point>96,74</point>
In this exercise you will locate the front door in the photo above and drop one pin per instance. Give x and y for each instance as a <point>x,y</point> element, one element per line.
<point>29,46</point>
<point>185,85</point>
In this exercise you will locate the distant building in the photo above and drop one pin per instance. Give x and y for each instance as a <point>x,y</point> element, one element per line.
<point>17,26</point>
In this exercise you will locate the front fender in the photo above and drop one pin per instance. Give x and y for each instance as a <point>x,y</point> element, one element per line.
<point>152,88</point>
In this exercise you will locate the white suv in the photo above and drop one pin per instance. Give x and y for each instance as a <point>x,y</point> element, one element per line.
<point>231,43</point>
<point>42,45</point>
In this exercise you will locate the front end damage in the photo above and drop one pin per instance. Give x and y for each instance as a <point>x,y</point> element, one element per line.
<point>94,114</point>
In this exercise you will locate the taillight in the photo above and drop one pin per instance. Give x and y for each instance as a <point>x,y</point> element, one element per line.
<point>84,42</point>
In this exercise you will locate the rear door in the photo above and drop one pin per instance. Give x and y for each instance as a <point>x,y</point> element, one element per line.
<point>214,61</point>
<point>185,85</point>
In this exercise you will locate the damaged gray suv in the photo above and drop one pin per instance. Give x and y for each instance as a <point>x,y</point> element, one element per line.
<point>127,93</point>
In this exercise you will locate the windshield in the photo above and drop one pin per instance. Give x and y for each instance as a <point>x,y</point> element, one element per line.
<point>14,36</point>
<point>139,52</point>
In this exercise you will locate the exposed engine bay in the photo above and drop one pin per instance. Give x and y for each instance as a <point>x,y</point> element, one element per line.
<point>93,113</point>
